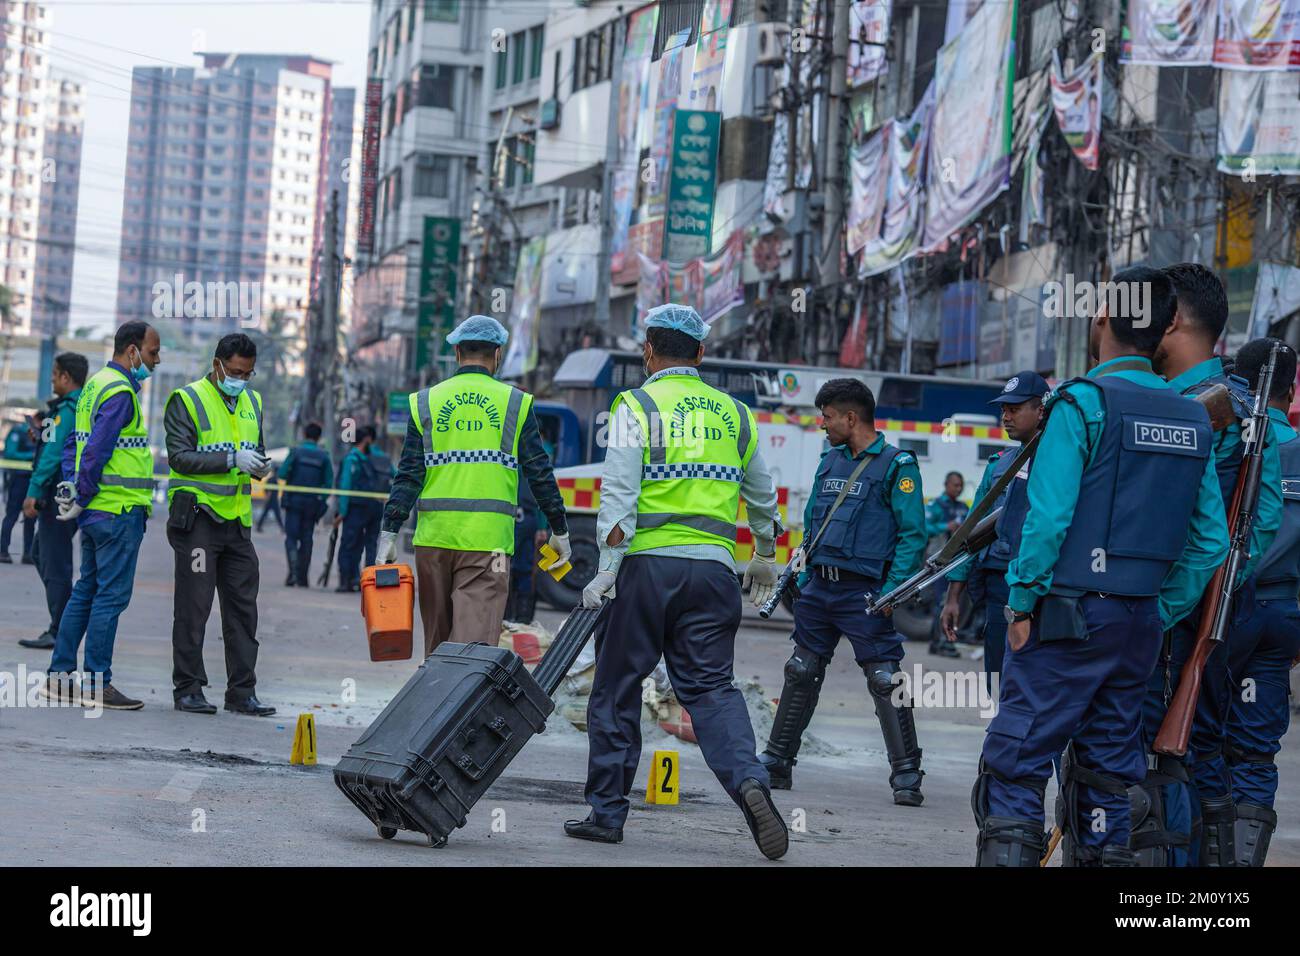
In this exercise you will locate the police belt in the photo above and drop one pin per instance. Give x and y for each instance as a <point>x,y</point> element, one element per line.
<point>830,572</point>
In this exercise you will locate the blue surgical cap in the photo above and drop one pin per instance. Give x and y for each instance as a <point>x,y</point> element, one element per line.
<point>681,318</point>
<point>479,328</point>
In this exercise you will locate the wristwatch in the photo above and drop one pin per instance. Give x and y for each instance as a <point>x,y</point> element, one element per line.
<point>1015,617</point>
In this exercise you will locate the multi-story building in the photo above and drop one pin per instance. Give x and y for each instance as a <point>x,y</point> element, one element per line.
<point>226,176</point>
<point>60,188</point>
<point>24,87</point>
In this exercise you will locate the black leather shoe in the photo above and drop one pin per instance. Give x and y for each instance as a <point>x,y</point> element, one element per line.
<point>765,822</point>
<point>195,704</point>
<point>5,559</point>
<point>586,830</point>
<point>28,559</point>
<point>250,706</point>
<point>289,581</point>
<point>43,643</point>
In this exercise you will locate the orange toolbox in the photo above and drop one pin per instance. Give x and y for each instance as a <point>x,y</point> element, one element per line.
<point>388,606</point>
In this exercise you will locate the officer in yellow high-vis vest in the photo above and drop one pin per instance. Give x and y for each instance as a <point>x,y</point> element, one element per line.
<point>681,456</point>
<point>469,439</point>
<point>215,448</point>
<point>110,497</point>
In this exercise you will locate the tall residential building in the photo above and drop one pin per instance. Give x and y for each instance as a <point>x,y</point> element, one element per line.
<point>226,176</point>
<point>24,79</point>
<point>57,232</point>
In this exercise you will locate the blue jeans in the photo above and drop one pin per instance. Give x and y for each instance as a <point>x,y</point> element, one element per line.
<point>108,554</point>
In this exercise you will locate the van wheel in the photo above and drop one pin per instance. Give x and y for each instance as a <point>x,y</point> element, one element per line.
<point>566,594</point>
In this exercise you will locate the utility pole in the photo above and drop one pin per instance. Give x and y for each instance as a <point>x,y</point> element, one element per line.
<point>330,323</point>
<point>828,268</point>
<point>603,263</point>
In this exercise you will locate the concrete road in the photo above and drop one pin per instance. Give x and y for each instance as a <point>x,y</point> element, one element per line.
<point>157,787</point>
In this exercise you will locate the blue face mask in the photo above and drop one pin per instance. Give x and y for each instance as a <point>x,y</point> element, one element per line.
<point>141,371</point>
<point>234,387</point>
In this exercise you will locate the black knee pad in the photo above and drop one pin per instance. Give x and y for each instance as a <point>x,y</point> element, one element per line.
<point>1074,850</point>
<point>804,668</point>
<point>1253,829</point>
<point>1218,825</point>
<point>1150,838</point>
<point>897,726</point>
<point>1010,842</point>
<point>804,673</point>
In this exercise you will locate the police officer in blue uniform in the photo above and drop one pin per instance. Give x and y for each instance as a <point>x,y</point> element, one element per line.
<point>943,516</point>
<point>984,577</point>
<point>1264,644</point>
<point>308,465</point>
<point>1125,527</point>
<point>364,468</point>
<point>1191,810</point>
<point>874,542</point>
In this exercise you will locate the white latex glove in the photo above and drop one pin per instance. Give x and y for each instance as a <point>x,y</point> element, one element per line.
<point>560,544</point>
<point>760,578</point>
<point>68,510</point>
<point>65,491</point>
<point>250,462</point>
<point>386,550</point>
<point>601,585</point>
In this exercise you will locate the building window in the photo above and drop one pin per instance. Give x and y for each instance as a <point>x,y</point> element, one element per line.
<point>435,85</point>
<point>518,54</point>
<point>535,36</point>
<point>528,149</point>
<point>446,11</point>
<point>432,176</point>
<point>503,65</point>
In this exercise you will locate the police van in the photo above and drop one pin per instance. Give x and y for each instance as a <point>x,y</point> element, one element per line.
<point>945,422</point>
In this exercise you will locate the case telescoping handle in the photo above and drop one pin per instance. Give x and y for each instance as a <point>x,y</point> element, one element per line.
<point>568,644</point>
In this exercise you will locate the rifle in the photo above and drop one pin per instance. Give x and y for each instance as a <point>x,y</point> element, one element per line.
<point>963,545</point>
<point>1176,728</point>
<point>329,558</point>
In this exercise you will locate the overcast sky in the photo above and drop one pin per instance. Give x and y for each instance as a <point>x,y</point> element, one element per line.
<point>100,41</point>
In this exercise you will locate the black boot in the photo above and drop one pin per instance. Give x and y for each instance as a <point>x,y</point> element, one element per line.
<point>899,730</point>
<point>804,672</point>
<point>1254,828</point>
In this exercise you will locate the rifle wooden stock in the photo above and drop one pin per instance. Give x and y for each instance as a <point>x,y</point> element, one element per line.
<point>1218,405</point>
<point>1176,729</point>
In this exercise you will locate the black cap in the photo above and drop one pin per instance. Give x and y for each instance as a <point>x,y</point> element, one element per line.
<point>1021,387</point>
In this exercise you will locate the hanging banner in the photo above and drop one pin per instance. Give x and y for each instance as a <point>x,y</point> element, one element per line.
<point>868,183</point>
<point>1033,201</point>
<point>716,16</point>
<point>636,74</point>
<point>439,266</point>
<point>970,133</point>
<point>693,180</point>
<point>869,31</point>
<point>669,91</point>
<point>369,166</point>
<point>1169,32</point>
<point>1077,101</point>
<point>525,310</point>
<point>1259,123</point>
<point>706,81</point>
<point>1258,35</point>
<point>711,285</point>
<point>900,220</point>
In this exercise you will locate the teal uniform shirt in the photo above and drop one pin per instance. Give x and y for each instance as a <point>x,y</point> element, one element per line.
<point>352,461</point>
<point>962,572</point>
<point>907,504</point>
<point>1065,450</point>
<point>46,473</point>
<point>1268,511</point>
<point>1281,429</point>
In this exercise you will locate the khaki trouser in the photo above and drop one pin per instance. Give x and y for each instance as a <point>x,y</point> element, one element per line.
<point>462,595</point>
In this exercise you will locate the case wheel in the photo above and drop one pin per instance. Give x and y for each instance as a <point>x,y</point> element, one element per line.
<point>435,842</point>
<point>387,832</point>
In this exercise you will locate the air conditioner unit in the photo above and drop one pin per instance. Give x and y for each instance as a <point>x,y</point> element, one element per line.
<point>550,118</point>
<point>771,43</point>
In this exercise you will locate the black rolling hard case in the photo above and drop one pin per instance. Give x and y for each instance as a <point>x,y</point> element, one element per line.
<point>450,732</point>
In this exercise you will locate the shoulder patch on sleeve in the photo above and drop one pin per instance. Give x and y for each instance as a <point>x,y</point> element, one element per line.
<point>905,458</point>
<point>906,485</point>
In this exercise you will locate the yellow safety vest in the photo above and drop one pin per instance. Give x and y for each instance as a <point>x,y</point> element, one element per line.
<point>470,428</point>
<point>228,493</point>
<point>699,441</point>
<point>127,479</point>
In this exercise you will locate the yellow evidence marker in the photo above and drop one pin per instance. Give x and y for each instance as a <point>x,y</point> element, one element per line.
<point>304,741</point>
<point>547,564</point>
<point>662,786</point>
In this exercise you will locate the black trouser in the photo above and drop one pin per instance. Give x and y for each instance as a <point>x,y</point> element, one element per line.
<point>360,534</point>
<point>214,556</point>
<point>299,528</point>
<point>15,492</point>
<point>53,554</point>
